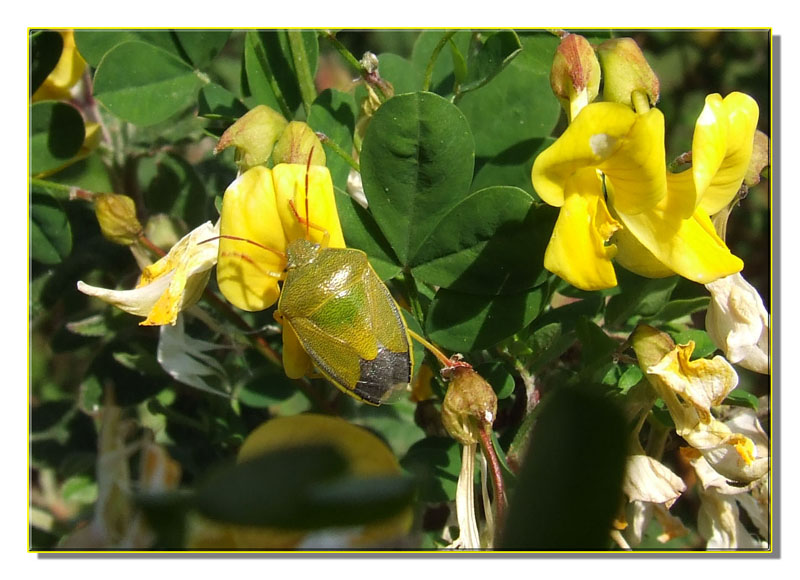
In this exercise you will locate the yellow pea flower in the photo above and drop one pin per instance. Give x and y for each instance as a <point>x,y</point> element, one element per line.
<point>171,284</point>
<point>659,220</point>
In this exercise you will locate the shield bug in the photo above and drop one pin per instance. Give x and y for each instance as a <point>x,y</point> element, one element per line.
<point>334,307</point>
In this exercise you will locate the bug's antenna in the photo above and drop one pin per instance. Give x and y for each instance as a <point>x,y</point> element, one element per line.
<point>308,168</point>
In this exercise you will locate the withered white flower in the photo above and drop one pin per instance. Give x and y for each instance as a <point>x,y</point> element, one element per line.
<point>170,285</point>
<point>648,480</point>
<point>738,323</point>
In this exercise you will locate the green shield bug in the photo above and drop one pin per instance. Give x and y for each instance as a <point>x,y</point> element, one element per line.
<point>336,313</point>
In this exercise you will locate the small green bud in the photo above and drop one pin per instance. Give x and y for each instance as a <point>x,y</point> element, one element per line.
<point>575,75</point>
<point>296,142</point>
<point>253,135</point>
<point>625,70</point>
<point>470,404</point>
<point>116,215</point>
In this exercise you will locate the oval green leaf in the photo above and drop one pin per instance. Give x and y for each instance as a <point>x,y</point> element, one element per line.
<point>492,242</point>
<point>416,165</point>
<point>201,46</point>
<point>94,44</point>
<point>51,235</point>
<point>518,103</point>
<point>143,84</point>
<point>466,322</point>
<point>57,133</point>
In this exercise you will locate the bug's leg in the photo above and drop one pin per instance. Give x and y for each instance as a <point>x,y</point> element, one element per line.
<point>252,262</point>
<point>326,235</point>
<point>238,239</point>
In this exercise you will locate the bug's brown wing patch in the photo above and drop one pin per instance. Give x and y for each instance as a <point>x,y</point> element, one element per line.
<point>384,378</point>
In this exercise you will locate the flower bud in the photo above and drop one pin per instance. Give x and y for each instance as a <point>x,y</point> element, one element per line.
<point>296,143</point>
<point>469,404</point>
<point>254,135</point>
<point>625,70</point>
<point>759,160</point>
<point>116,215</point>
<point>575,75</point>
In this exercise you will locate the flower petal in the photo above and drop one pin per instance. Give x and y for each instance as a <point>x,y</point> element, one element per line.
<point>138,301</point>
<point>577,251</point>
<point>702,382</point>
<point>638,168</point>
<point>290,186</point>
<point>738,323</point>
<point>595,135</point>
<point>689,247</point>
<point>722,147</point>
<point>248,271</point>
<point>648,480</point>
<point>296,362</point>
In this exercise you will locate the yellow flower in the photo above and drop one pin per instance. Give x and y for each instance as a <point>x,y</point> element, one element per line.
<point>652,222</point>
<point>170,285</point>
<point>68,71</point>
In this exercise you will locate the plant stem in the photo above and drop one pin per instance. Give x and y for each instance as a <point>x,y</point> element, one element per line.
<point>301,66</point>
<point>426,84</point>
<point>339,151</point>
<point>61,191</point>
<point>497,474</point>
<point>368,78</point>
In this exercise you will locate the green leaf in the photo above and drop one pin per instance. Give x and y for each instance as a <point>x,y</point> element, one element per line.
<point>334,114</point>
<point>510,167</point>
<point>497,51</point>
<point>57,133</point>
<point>269,68</point>
<point>703,345</point>
<point>361,232</point>
<point>631,377</point>
<point>416,166</point>
<point>638,296</point>
<point>677,309</point>
<point>46,46</point>
<point>497,375</point>
<point>467,322</point>
<point>435,462</point>
<point>518,104</point>
<point>144,84</point>
<point>216,102</point>
<point>443,77</point>
<point>51,235</point>
<point>94,44</point>
<point>741,398</point>
<point>402,73</point>
<point>201,46</point>
<point>172,186</point>
<point>570,485</point>
<point>491,242</point>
